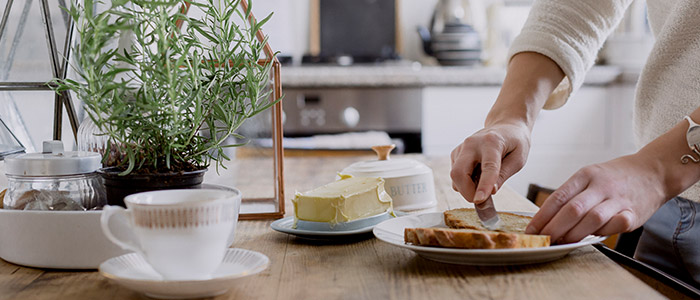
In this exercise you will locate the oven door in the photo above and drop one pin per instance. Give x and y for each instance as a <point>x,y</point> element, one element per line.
<point>395,111</point>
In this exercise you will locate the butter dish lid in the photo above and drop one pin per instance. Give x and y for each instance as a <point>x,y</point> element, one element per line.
<point>53,161</point>
<point>385,167</point>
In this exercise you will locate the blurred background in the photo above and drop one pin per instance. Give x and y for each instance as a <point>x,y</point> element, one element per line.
<point>420,74</point>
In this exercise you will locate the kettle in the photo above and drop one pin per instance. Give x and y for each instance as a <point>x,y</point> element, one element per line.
<point>450,40</point>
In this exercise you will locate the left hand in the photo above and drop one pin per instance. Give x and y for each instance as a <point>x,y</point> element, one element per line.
<point>602,199</point>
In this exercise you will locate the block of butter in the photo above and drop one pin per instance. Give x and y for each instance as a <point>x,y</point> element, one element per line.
<point>347,199</point>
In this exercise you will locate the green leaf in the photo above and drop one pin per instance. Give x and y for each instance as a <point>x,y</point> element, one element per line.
<point>116,3</point>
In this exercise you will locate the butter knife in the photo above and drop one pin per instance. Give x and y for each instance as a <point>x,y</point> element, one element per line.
<point>486,210</point>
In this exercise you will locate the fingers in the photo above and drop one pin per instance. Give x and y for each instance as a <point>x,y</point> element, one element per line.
<point>571,214</point>
<point>595,219</point>
<point>510,165</point>
<point>462,168</point>
<point>624,221</point>
<point>490,147</point>
<point>572,187</point>
<point>490,170</point>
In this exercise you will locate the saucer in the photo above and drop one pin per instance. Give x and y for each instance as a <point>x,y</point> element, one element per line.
<point>323,230</point>
<point>133,272</point>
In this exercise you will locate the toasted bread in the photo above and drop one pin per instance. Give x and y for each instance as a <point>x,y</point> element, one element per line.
<point>466,231</point>
<point>472,239</point>
<point>467,218</point>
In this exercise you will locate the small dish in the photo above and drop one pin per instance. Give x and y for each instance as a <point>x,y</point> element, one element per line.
<point>323,230</point>
<point>55,239</point>
<point>392,232</point>
<point>133,272</point>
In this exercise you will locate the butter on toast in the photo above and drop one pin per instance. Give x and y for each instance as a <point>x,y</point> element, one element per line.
<point>467,218</point>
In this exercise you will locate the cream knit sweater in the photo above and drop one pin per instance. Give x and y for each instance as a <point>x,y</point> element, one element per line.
<point>570,32</point>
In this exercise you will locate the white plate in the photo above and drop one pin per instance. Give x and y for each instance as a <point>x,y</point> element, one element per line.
<point>315,231</point>
<point>133,272</point>
<point>391,231</point>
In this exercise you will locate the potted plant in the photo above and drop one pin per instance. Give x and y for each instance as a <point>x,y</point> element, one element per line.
<point>165,90</point>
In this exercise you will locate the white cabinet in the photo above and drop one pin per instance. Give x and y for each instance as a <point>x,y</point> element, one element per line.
<point>450,114</point>
<point>594,126</point>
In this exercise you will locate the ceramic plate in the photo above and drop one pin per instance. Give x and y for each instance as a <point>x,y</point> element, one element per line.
<point>322,230</point>
<point>391,231</point>
<point>133,272</point>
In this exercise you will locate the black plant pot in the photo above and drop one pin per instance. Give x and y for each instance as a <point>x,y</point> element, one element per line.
<point>117,187</point>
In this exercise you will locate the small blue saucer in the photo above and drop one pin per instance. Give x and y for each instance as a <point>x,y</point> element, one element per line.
<point>324,230</point>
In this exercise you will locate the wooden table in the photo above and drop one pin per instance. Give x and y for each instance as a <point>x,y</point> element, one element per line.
<point>364,268</point>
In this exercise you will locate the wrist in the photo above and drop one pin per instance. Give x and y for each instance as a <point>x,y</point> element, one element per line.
<point>655,171</point>
<point>507,117</point>
<point>530,79</point>
<point>663,156</point>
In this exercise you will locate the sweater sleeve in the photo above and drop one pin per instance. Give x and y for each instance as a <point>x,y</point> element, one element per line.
<point>569,32</point>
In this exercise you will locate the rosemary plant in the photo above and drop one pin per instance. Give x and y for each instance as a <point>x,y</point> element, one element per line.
<point>180,87</point>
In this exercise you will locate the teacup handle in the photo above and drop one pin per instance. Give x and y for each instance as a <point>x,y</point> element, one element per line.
<point>107,212</point>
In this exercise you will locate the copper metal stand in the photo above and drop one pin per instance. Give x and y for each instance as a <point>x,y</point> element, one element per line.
<point>59,66</point>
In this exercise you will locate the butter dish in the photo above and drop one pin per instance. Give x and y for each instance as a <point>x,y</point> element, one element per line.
<point>409,182</point>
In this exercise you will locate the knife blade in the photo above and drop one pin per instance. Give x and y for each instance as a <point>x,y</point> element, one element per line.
<point>485,210</point>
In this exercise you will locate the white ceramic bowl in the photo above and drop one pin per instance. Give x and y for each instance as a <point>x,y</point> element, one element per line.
<point>54,239</point>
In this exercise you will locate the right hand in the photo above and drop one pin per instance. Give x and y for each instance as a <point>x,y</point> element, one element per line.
<point>501,149</point>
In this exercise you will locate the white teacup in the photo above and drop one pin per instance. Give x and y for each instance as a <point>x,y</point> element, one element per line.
<point>183,234</point>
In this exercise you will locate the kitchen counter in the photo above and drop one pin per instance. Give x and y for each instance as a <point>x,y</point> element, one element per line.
<point>364,267</point>
<point>412,75</point>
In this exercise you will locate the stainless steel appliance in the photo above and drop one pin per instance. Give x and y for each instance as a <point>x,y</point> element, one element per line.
<point>396,111</point>
<point>450,39</point>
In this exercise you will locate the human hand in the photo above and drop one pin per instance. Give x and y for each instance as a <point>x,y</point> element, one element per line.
<point>602,199</point>
<point>501,149</point>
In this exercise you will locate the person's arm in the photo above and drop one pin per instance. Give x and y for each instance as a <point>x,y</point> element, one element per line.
<point>621,194</point>
<point>530,79</point>
<point>570,33</point>
<point>502,146</point>
<point>559,41</point>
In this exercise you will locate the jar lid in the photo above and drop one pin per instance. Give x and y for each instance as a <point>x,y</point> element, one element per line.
<point>53,161</point>
<point>385,167</point>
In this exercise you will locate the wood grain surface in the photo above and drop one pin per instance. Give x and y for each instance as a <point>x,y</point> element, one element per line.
<point>363,267</point>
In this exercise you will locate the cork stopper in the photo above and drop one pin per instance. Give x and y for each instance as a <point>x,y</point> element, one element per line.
<point>383,151</point>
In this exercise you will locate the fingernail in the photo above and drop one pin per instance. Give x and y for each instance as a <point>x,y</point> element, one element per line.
<point>530,229</point>
<point>479,196</point>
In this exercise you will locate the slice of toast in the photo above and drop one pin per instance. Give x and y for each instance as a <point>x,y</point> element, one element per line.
<point>472,239</point>
<point>467,218</point>
<point>466,231</point>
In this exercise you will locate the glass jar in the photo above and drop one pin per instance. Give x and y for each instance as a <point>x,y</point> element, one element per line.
<point>90,138</point>
<point>54,180</point>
